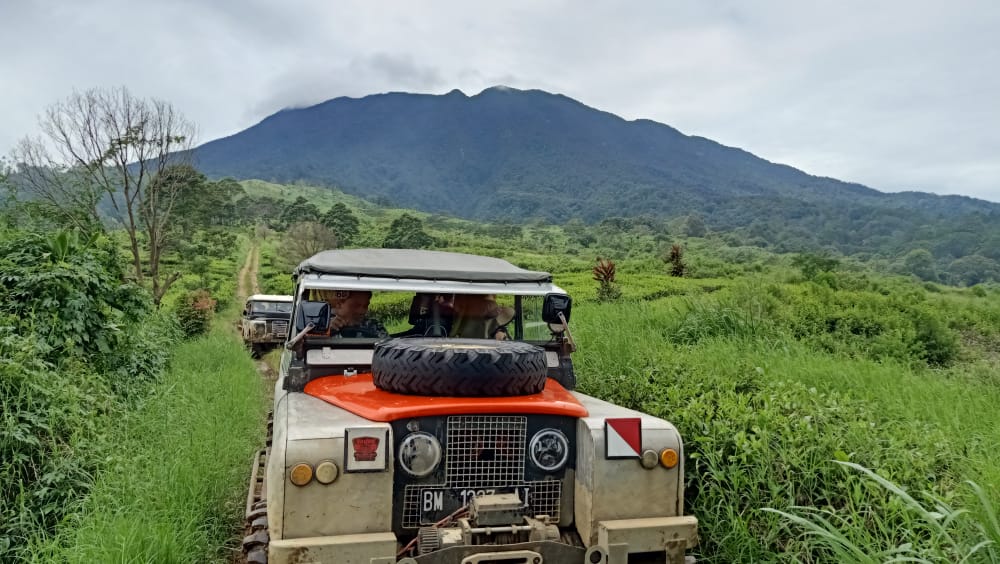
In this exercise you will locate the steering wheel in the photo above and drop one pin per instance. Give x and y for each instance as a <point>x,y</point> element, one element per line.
<point>358,332</point>
<point>436,330</point>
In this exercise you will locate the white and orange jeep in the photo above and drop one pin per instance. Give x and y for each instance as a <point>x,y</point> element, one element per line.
<point>429,447</point>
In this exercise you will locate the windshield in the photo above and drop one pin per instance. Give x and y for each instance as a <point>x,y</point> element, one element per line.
<point>373,315</point>
<point>271,307</point>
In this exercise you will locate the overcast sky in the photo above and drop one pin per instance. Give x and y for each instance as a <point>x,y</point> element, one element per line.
<point>894,94</point>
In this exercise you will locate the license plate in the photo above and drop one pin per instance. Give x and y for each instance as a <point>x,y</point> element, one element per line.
<point>438,503</point>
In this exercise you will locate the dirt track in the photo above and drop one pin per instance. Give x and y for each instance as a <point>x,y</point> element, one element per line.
<point>247,282</point>
<point>247,286</point>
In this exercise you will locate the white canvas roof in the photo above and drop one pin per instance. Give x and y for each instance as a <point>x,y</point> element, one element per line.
<point>437,266</point>
<point>269,298</point>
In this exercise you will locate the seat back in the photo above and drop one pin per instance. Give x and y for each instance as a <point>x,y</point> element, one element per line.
<point>429,317</point>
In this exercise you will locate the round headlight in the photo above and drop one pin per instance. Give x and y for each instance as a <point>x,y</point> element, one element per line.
<point>549,449</point>
<point>419,454</point>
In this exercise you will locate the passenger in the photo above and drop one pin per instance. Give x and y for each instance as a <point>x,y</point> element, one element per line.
<point>350,314</point>
<point>431,316</point>
<point>481,317</point>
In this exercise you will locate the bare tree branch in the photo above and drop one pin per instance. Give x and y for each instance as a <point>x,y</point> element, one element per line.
<point>110,146</point>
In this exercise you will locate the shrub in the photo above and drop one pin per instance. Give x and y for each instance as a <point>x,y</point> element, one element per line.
<point>75,343</point>
<point>195,311</point>
<point>604,274</point>
<point>933,343</point>
<point>141,355</point>
<point>752,441</point>
<point>676,260</point>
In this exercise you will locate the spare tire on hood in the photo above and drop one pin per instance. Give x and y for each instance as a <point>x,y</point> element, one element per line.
<point>459,367</point>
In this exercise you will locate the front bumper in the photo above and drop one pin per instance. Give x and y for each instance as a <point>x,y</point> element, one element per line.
<point>617,539</point>
<point>371,548</point>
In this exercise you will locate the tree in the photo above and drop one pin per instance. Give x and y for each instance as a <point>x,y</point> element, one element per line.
<point>694,226</point>
<point>343,222</point>
<point>305,239</point>
<point>299,211</point>
<point>920,263</point>
<point>109,145</point>
<point>676,260</point>
<point>973,269</point>
<point>407,232</point>
<point>811,265</point>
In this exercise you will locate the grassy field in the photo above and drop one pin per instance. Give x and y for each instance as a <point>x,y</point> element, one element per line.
<point>174,490</point>
<point>766,416</point>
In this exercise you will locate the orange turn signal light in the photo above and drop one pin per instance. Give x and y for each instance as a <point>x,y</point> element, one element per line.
<point>668,458</point>
<point>301,474</point>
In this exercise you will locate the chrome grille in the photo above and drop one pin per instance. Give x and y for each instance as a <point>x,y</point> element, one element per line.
<point>279,328</point>
<point>483,454</point>
<point>485,450</point>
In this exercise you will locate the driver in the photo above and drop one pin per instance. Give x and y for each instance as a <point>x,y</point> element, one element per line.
<point>481,317</point>
<point>351,314</point>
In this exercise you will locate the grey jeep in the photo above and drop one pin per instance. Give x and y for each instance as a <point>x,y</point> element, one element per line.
<point>264,324</point>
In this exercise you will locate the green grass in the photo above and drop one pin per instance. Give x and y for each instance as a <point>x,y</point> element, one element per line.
<point>946,534</point>
<point>765,416</point>
<point>173,489</point>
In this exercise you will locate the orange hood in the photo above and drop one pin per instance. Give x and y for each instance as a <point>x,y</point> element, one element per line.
<point>359,395</point>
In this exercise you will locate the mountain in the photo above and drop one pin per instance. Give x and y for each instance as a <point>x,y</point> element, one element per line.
<point>507,154</point>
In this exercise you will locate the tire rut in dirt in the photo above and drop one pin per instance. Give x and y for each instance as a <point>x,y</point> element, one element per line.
<point>459,367</point>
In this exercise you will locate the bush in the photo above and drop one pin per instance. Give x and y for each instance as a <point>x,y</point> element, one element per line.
<point>753,441</point>
<point>933,343</point>
<point>194,312</point>
<point>142,354</point>
<point>703,320</point>
<point>867,324</point>
<point>76,345</point>
<point>604,274</point>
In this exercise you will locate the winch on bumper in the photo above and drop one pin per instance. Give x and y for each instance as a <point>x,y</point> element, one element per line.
<point>471,536</point>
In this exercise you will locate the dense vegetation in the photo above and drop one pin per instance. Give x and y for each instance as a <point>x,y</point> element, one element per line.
<point>84,354</point>
<point>172,489</point>
<point>78,347</point>
<point>509,155</point>
<point>774,367</point>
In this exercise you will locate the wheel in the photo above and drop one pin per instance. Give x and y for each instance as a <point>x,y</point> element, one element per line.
<point>458,367</point>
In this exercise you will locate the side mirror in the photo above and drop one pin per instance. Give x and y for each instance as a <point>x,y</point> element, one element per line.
<point>554,305</point>
<point>317,313</point>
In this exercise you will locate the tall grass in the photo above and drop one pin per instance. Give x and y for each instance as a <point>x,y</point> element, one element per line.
<point>172,490</point>
<point>762,414</point>
<point>937,531</point>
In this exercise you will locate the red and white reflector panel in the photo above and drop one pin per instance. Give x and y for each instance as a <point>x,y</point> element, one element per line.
<point>623,437</point>
<point>366,450</point>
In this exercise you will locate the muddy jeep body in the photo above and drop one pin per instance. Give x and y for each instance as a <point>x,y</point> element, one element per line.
<point>265,320</point>
<point>549,476</point>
